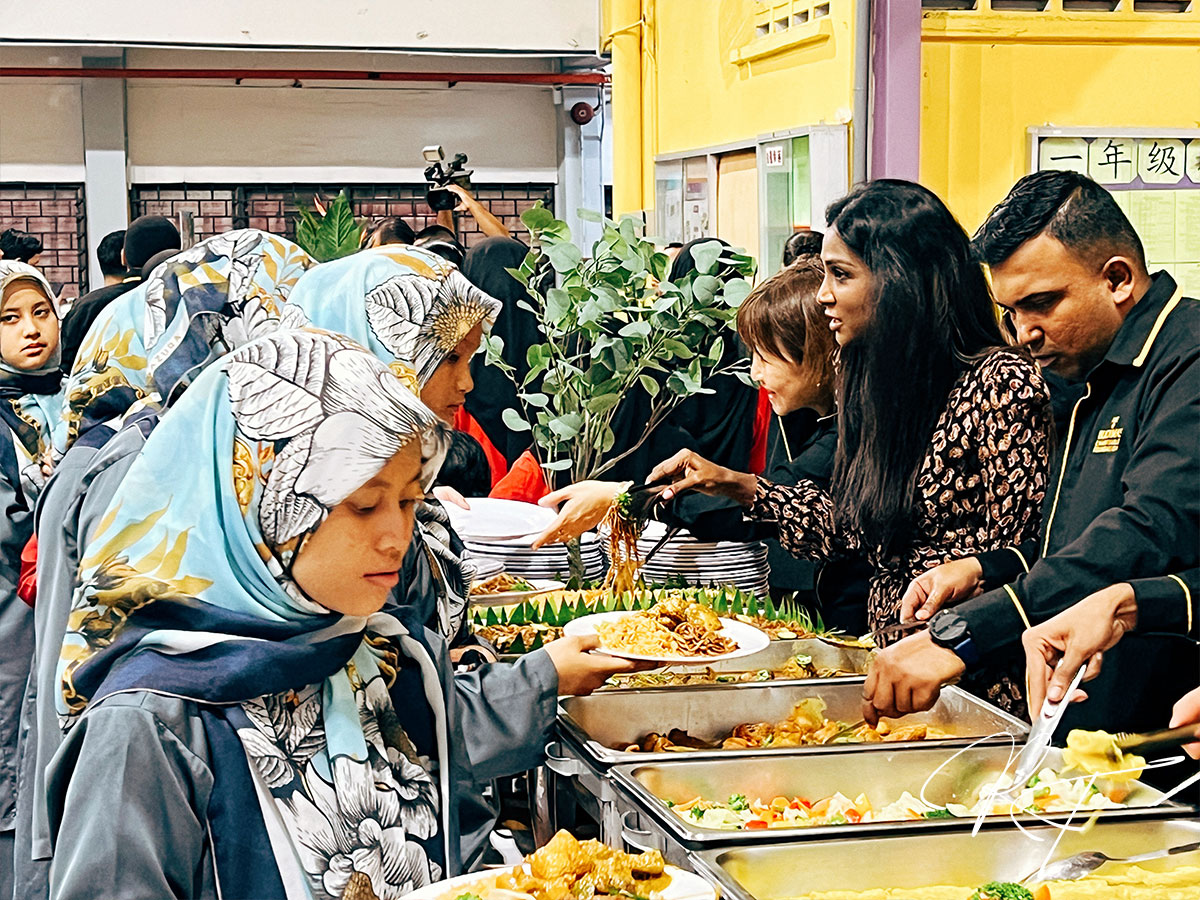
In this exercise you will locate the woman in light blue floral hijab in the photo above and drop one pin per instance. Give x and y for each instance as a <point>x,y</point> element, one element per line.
<point>229,614</point>
<point>414,311</point>
<point>147,345</point>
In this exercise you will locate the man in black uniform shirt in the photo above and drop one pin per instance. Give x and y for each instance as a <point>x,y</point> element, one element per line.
<point>1124,497</point>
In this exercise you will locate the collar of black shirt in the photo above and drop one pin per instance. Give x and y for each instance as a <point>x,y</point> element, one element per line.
<point>1136,334</point>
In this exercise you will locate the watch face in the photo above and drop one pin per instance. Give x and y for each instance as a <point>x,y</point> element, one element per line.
<point>948,628</point>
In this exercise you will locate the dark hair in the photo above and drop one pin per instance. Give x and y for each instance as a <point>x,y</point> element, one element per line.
<point>148,235</point>
<point>108,253</point>
<point>392,230</point>
<point>675,245</point>
<point>783,317</point>
<point>19,245</point>
<point>466,467</point>
<point>441,240</point>
<point>684,263</point>
<point>932,317</point>
<point>802,243</point>
<point>155,261</point>
<point>1067,206</point>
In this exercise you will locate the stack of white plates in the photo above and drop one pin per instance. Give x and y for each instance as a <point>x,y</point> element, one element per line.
<point>549,562</point>
<point>724,563</point>
<point>501,531</point>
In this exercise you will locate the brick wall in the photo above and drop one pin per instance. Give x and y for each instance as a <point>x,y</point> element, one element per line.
<point>218,208</point>
<point>55,213</point>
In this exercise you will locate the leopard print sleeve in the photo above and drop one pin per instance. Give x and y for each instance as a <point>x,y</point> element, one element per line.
<point>1014,447</point>
<point>804,516</point>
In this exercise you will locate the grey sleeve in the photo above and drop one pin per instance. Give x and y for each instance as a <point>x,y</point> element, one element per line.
<point>506,711</point>
<point>16,639</point>
<point>68,511</point>
<point>128,794</point>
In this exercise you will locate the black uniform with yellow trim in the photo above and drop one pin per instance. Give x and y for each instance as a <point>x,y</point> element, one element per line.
<point>1123,504</point>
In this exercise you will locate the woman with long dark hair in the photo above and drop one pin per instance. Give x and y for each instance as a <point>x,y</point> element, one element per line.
<point>943,429</point>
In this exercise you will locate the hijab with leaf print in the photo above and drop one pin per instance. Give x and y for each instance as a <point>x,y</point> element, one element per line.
<point>186,591</point>
<point>30,400</point>
<point>410,308</point>
<point>148,344</point>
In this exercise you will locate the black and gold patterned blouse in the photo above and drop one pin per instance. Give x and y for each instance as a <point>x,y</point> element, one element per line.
<point>979,488</point>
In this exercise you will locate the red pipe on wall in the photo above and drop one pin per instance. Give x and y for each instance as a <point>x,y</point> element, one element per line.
<point>293,75</point>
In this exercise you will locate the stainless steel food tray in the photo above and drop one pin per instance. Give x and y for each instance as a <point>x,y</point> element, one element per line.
<point>883,776</point>
<point>602,721</point>
<point>791,870</point>
<point>824,655</point>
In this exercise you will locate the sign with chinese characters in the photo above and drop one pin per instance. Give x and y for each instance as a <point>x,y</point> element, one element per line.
<point>1156,182</point>
<point>773,155</point>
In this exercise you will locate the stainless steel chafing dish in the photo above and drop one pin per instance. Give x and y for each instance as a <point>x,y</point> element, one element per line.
<point>603,721</point>
<point>791,870</point>
<point>883,776</point>
<point>824,655</point>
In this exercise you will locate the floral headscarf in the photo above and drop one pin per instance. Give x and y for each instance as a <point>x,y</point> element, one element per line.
<point>149,343</point>
<point>410,308</point>
<point>402,303</point>
<point>186,590</point>
<point>30,399</point>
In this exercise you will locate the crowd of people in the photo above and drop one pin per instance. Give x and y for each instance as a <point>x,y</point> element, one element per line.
<point>232,602</point>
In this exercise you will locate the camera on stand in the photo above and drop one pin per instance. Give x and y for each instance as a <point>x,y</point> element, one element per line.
<point>441,174</point>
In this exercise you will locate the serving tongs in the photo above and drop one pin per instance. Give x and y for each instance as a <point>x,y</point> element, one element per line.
<point>644,496</point>
<point>1040,735</point>
<point>1157,740</point>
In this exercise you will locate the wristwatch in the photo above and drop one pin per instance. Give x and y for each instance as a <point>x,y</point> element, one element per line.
<point>950,630</point>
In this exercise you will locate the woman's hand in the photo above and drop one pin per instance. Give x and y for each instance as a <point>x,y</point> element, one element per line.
<point>1055,649</point>
<point>584,505</point>
<point>689,471</point>
<point>580,671</point>
<point>949,583</point>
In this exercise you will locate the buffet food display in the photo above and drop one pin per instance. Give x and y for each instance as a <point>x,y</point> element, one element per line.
<point>732,767</point>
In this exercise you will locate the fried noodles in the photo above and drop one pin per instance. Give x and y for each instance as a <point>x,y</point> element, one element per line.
<point>670,628</point>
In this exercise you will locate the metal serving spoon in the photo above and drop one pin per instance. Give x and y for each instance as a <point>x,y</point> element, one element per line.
<point>1081,864</point>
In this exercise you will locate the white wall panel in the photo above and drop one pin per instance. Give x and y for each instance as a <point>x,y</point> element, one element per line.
<point>565,26</point>
<point>41,125</point>
<point>509,133</point>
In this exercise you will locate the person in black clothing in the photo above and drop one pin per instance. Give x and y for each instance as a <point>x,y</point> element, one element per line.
<point>1070,273</point>
<point>145,237</point>
<point>108,255</point>
<point>486,266</point>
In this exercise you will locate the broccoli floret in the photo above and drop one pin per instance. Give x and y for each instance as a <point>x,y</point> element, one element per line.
<point>737,802</point>
<point>1002,890</point>
<point>939,814</point>
<point>696,813</point>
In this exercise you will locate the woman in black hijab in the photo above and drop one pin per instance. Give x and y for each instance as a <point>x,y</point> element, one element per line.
<point>485,266</point>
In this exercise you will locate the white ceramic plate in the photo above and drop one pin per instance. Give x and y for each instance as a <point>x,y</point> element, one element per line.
<point>491,519</point>
<point>683,886</point>
<point>540,586</point>
<point>749,639</point>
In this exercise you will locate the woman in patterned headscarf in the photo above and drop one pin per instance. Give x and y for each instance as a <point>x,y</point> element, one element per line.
<point>228,681</point>
<point>29,398</point>
<point>416,312</point>
<point>136,360</point>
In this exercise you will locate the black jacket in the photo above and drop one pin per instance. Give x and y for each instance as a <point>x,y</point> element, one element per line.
<point>83,314</point>
<point>1124,505</point>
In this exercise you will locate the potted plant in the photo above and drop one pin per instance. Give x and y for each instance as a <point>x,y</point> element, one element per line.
<point>613,324</point>
<point>331,232</point>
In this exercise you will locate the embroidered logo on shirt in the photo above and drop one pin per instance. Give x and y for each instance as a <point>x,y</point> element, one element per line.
<point>1108,439</point>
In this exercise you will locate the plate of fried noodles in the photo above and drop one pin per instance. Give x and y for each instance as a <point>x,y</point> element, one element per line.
<point>674,631</point>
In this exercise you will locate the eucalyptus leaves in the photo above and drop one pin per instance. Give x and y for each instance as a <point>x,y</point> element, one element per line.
<point>611,326</point>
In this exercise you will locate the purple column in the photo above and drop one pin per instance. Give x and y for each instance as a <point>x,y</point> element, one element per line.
<point>896,89</point>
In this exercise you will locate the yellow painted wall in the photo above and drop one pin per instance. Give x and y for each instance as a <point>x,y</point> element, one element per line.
<point>694,96</point>
<point>988,77</point>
